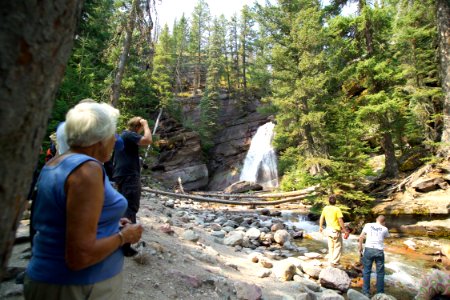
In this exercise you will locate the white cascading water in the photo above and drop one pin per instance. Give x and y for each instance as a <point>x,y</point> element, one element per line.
<point>260,164</point>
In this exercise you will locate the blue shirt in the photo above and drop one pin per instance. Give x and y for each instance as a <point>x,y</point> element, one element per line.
<point>48,261</point>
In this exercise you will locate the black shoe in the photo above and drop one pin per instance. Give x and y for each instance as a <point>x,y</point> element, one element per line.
<point>128,251</point>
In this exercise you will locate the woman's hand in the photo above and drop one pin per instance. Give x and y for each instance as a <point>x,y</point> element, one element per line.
<point>124,221</point>
<point>132,233</point>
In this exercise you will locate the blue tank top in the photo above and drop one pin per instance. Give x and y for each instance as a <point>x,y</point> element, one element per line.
<point>48,261</point>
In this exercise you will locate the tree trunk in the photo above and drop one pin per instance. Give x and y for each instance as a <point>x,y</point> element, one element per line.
<point>390,161</point>
<point>115,88</point>
<point>367,28</point>
<point>244,66</point>
<point>37,38</point>
<point>443,20</point>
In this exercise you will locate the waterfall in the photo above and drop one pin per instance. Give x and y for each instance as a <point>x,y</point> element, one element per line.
<point>260,164</point>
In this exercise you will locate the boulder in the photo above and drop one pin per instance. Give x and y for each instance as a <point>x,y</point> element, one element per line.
<point>242,187</point>
<point>355,295</point>
<point>383,297</point>
<point>429,184</point>
<point>277,226</point>
<point>282,237</point>
<point>335,279</point>
<point>284,270</point>
<point>311,268</point>
<point>245,291</point>
<point>191,235</point>
<point>234,238</point>
<point>330,295</point>
<point>253,233</point>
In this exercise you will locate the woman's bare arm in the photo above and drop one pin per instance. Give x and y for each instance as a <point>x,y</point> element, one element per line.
<point>85,196</point>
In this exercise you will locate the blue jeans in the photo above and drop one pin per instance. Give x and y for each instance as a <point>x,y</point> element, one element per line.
<point>371,255</point>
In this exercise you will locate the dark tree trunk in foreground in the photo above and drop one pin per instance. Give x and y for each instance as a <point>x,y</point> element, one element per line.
<point>443,20</point>
<point>36,39</point>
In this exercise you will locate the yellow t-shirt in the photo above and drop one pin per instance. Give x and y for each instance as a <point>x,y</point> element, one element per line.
<point>332,215</point>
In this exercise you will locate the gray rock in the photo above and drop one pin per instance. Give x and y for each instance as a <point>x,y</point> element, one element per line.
<point>335,279</point>
<point>234,238</point>
<point>242,187</point>
<point>383,297</point>
<point>218,234</point>
<point>227,228</point>
<point>245,291</point>
<point>311,285</point>
<point>311,268</point>
<point>355,295</point>
<point>191,235</point>
<point>282,237</point>
<point>429,184</point>
<point>284,270</point>
<point>330,295</point>
<point>230,223</point>
<point>277,226</point>
<point>253,233</point>
<point>220,220</point>
<point>304,296</point>
<point>215,226</point>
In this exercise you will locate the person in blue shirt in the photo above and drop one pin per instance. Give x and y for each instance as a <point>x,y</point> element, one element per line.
<point>77,246</point>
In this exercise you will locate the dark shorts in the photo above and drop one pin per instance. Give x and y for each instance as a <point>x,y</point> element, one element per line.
<point>130,188</point>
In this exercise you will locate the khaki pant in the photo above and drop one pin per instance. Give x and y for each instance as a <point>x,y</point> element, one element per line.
<point>334,248</point>
<point>110,289</point>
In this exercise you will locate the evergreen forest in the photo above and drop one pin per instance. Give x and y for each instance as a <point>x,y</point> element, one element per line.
<point>341,88</point>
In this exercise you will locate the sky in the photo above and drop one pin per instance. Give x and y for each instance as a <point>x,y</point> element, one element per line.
<point>169,10</point>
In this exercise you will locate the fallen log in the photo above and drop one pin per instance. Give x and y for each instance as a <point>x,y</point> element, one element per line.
<point>259,195</point>
<point>222,201</point>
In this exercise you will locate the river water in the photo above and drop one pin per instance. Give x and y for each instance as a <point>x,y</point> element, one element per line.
<point>404,267</point>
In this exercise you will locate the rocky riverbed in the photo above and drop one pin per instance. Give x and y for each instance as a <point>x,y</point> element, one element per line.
<point>200,251</point>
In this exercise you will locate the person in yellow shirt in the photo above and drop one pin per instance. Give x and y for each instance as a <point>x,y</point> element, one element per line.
<point>335,226</point>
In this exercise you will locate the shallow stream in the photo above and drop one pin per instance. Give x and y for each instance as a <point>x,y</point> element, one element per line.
<point>404,267</point>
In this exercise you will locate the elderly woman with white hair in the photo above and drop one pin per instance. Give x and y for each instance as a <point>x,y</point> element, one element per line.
<point>77,248</point>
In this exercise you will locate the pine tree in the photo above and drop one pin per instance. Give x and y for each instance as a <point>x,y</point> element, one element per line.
<point>180,37</point>
<point>198,40</point>
<point>414,43</point>
<point>299,78</point>
<point>163,71</point>
<point>247,36</point>
<point>215,73</point>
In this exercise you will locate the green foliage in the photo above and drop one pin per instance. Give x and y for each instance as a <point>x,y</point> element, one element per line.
<point>341,88</point>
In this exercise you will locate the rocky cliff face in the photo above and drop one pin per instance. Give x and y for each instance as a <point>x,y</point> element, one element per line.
<point>180,157</point>
<point>238,123</point>
<point>180,148</point>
